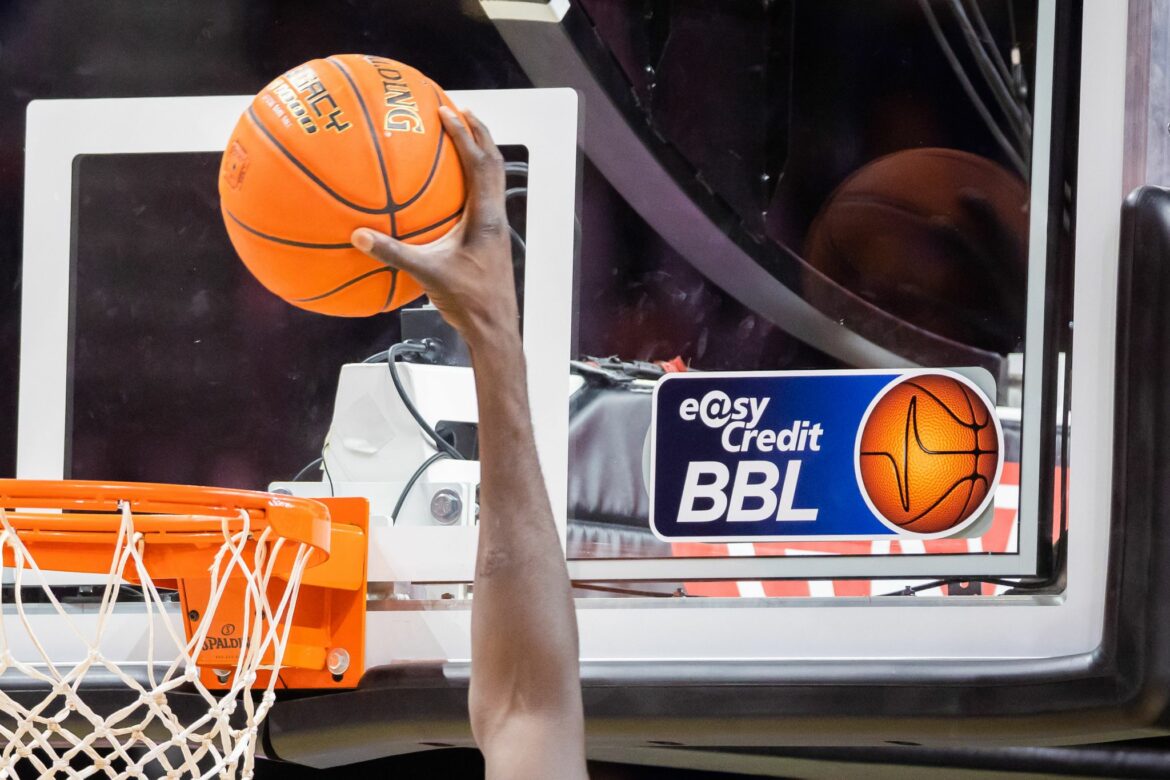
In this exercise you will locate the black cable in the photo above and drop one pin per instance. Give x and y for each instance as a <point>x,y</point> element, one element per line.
<point>1006,145</point>
<point>391,357</point>
<point>1021,80</point>
<point>630,591</point>
<point>517,168</point>
<point>1011,8</point>
<point>325,468</point>
<point>517,241</point>
<point>985,33</point>
<point>910,590</point>
<point>377,357</point>
<point>968,10</point>
<point>1020,124</point>
<point>305,470</point>
<point>410,483</point>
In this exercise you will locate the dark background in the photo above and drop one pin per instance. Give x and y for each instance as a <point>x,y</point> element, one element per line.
<point>184,368</point>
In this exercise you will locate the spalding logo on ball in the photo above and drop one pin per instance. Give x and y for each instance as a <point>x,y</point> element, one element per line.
<point>929,454</point>
<point>332,145</point>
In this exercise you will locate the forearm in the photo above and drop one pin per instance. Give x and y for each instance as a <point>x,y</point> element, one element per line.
<point>525,685</point>
<point>524,635</point>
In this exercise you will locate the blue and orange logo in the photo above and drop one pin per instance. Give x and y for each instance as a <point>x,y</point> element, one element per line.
<point>821,455</point>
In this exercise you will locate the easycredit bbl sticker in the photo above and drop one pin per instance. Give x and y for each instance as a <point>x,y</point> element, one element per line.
<point>823,455</point>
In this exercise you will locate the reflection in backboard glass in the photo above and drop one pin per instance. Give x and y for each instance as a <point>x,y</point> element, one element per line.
<point>898,188</point>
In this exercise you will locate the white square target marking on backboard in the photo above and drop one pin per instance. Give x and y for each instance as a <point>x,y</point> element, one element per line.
<point>544,121</point>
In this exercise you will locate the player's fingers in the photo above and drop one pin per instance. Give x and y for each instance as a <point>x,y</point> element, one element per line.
<point>392,252</point>
<point>482,135</point>
<point>483,167</point>
<point>489,181</point>
<point>469,151</point>
<point>484,173</point>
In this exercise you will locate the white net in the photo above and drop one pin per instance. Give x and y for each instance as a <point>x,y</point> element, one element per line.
<point>93,716</point>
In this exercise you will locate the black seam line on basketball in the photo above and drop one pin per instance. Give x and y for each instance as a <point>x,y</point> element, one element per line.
<point>954,486</point>
<point>975,434</point>
<point>941,452</point>
<point>434,162</point>
<point>373,133</point>
<point>393,288</point>
<point>305,170</point>
<point>973,425</point>
<point>286,241</point>
<point>429,228</point>
<point>350,283</point>
<point>951,489</point>
<point>970,492</point>
<point>971,409</point>
<point>897,475</point>
<point>911,421</point>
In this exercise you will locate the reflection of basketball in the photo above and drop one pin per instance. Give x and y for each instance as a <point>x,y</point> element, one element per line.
<point>335,144</point>
<point>936,237</point>
<point>929,453</point>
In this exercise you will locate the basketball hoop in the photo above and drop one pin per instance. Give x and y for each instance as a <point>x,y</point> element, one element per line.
<point>238,560</point>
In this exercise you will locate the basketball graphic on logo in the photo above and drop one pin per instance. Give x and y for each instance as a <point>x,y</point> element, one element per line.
<point>929,454</point>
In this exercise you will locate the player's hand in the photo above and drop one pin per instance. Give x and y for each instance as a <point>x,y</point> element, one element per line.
<point>467,274</point>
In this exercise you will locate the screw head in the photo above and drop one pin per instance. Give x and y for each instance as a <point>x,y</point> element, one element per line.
<point>446,506</point>
<point>337,662</point>
<point>223,675</point>
<point>193,614</point>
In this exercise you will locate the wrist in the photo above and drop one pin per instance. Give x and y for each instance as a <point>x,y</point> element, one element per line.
<point>497,358</point>
<point>494,342</point>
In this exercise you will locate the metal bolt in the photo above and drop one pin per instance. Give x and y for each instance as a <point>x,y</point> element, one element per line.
<point>446,506</point>
<point>223,675</point>
<point>337,661</point>
<point>193,614</point>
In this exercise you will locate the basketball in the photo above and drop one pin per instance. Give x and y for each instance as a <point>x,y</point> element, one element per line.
<point>332,145</point>
<point>936,237</point>
<point>929,453</point>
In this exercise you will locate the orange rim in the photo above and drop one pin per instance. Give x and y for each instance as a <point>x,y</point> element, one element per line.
<point>173,514</point>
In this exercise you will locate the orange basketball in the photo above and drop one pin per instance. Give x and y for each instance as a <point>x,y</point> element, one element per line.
<point>929,453</point>
<point>332,145</point>
<point>910,232</point>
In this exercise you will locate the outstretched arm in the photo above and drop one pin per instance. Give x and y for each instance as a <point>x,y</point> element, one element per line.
<point>525,698</point>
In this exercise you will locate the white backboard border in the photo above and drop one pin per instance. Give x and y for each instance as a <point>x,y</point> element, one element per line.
<point>544,121</point>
